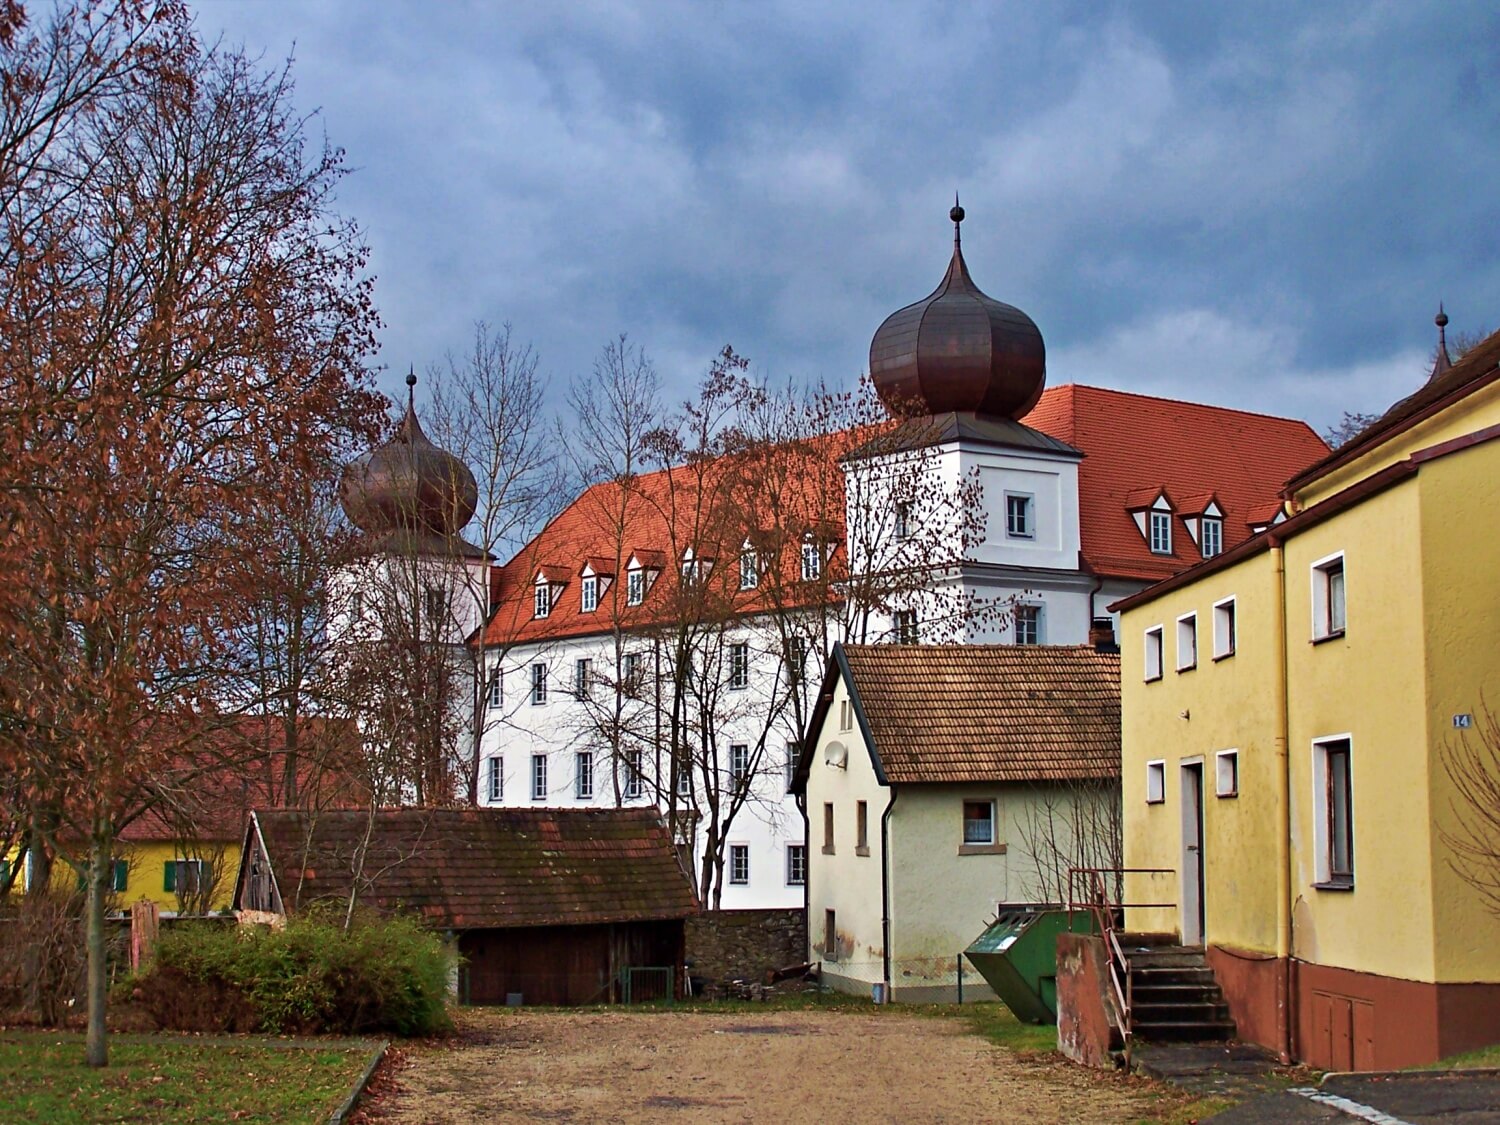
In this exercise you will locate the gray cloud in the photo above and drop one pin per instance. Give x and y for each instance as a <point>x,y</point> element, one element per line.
<point>1260,207</point>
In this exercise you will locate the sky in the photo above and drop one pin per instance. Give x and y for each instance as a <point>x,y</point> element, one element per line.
<point>1256,205</point>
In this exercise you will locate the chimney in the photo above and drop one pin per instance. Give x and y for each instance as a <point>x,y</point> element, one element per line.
<point>1102,635</point>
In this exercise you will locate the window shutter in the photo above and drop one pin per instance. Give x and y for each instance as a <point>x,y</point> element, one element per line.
<point>122,874</point>
<point>169,876</point>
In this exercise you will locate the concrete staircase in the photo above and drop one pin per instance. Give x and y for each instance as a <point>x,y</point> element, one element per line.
<point>1173,994</point>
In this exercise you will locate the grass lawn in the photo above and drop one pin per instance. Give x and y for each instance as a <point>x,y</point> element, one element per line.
<point>1484,1058</point>
<point>169,1079</point>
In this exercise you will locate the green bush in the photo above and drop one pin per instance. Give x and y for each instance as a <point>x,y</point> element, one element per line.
<point>313,976</point>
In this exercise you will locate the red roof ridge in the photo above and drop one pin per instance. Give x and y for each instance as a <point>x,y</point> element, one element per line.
<point>1217,409</point>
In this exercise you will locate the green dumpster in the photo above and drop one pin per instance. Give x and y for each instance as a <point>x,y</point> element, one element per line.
<point>1017,957</point>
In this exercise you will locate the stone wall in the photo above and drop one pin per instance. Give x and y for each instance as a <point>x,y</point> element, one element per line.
<point>725,945</point>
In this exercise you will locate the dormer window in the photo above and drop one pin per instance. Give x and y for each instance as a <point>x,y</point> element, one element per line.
<point>1212,536</point>
<point>588,596</point>
<point>635,587</point>
<point>812,561</point>
<point>1161,532</point>
<point>542,606</point>
<point>749,569</point>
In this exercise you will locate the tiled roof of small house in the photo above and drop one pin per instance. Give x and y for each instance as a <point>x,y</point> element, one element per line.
<point>465,868</point>
<point>954,713</point>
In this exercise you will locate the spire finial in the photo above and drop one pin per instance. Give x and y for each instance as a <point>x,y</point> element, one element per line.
<point>1441,361</point>
<point>411,388</point>
<point>957,215</point>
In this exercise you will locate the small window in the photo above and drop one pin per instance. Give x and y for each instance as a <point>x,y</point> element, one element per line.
<point>796,659</point>
<point>828,828</point>
<point>684,780</point>
<point>903,522</point>
<point>739,764</point>
<point>1224,629</point>
<point>588,594</point>
<point>1333,811</point>
<point>749,570</point>
<point>635,781</point>
<point>186,876</point>
<point>1028,624</point>
<point>539,777</point>
<point>436,604</point>
<point>630,671</point>
<point>1187,642</point>
<point>357,605</point>
<point>862,828</point>
<point>846,715</point>
<point>739,864</point>
<point>538,684</point>
<point>1328,598</point>
<point>493,693</point>
<point>979,822</point>
<point>793,752</point>
<point>906,626</point>
<point>583,677</point>
<point>583,775</point>
<point>1018,516</point>
<point>690,572</point>
<point>1213,536</point>
<point>830,936</point>
<point>1161,533</point>
<point>495,779</point>
<point>739,666</point>
<point>1227,773</point>
<point>119,875</point>
<point>796,865</point>
<point>635,587</point>
<point>543,600</point>
<point>1156,782</point>
<point>812,561</point>
<point>1153,653</point>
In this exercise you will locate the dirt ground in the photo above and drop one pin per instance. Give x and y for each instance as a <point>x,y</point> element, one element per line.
<point>784,1066</point>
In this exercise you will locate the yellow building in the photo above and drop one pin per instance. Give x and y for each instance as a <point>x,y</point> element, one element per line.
<point>1288,708</point>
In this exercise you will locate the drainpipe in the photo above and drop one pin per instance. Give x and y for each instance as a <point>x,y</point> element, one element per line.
<point>885,891</point>
<point>1279,709</point>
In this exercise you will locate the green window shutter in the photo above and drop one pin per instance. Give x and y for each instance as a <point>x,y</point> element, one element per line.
<point>4,873</point>
<point>169,876</point>
<point>82,882</point>
<point>122,873</point>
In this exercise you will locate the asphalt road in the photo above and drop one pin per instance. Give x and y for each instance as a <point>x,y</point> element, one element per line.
<point>1452,1098</point>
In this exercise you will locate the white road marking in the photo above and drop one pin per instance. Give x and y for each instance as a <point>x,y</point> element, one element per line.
<point>1355,1109</point>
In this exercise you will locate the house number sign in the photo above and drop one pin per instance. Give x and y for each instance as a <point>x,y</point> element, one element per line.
<point>1463,722</point>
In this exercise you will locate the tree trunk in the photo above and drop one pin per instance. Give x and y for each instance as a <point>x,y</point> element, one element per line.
<point>99,858</point>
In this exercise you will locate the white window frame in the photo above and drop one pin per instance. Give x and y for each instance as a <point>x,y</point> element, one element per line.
<point>539,777</point>
<point>903,522</point>
<point>635,586</point>
<point>739,666</point>
<point>495,781</point>
<point>991,821</point>
<point>541,605</point>
<point>435,605</point>
<point>739,764</point>
<point>796,865</point>
<point>796,659</point>
<point>630,670</point>
<point>1324,826</point>
<point>1226,627</point>
<point>495,690</point>
<point>812,560</point>
<point>684,780</point>
<point>538,684</point>
<point>1187,642</point>
<point>793,753</point>
<point>1026,509</point>
<point>749,569</point>
<point>583,677</point>
<point>635,780</point>
<point>583,775</point>
<point>906,627</point>
<point>1227,773</point>
<point>1156,781</point>
<point>1156,659</point>
<point>846,715</point>
<point>739,865</point>
<point>588,594</point>
<point>1159,531</point>
<point>1211,532</point>
<point>1037,614</point>
<point>1323,601</point>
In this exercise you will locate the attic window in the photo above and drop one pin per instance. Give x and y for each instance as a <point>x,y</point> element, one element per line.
<point>588,596</point>
<point>749,570</point>
<point>635,587</point>
<point>1161,532</point>
<point>812,561</point>
<point>543,603</point>
<point>1212,536</point>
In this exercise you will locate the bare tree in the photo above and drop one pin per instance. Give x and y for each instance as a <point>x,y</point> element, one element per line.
<point>1066,824</point>
<point>1472,766</point>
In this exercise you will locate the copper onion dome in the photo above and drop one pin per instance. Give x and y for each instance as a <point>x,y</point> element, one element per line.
<point>408,484</point>
<point>959,350</point>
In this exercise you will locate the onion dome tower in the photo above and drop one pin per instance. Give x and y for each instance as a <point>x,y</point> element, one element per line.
<point>408,486</point>
<point>958,350</point>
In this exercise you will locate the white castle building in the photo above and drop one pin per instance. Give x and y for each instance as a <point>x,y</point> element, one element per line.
<point>629,657</point>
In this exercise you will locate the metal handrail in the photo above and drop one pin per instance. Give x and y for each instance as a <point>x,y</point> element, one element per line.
<point>1106,910</point>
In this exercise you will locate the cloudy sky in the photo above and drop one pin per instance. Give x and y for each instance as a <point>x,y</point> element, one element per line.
<point>1253,204</point>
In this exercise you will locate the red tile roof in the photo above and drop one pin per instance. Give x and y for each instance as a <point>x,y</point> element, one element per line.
<point>975,713</point>
<point>1133,441</point>
<point>1134,446</point>
<point>481,868</point>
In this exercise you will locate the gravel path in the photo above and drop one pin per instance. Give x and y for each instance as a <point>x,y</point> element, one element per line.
<point>827,1067</point>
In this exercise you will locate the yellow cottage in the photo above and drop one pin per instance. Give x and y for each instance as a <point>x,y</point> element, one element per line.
<point>1293,712</point>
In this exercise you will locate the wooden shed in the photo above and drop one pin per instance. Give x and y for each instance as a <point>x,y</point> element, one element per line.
<point>547,906</point>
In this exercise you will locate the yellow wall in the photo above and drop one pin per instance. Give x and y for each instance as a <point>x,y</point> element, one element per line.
<point>1228,706</point>
<point>145,876</point>
<point>1477,411</point>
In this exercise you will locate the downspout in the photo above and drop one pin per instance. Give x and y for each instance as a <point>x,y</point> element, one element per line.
<point>1279,710</point>
<point>807,922</point>
<point>885,892</point>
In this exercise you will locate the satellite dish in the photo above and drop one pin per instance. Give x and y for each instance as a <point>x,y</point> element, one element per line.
<point>836,756</point>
